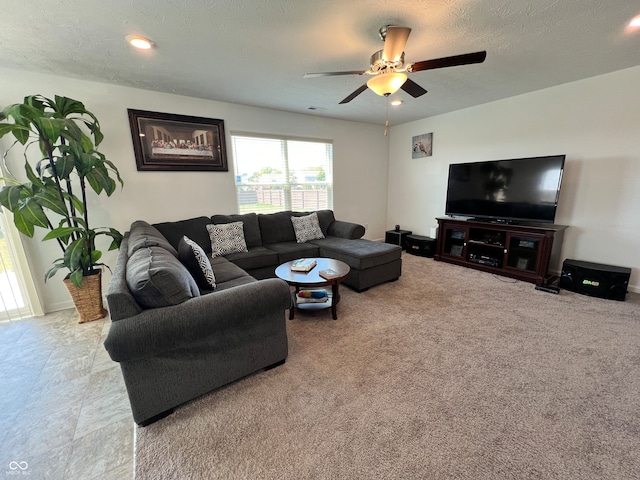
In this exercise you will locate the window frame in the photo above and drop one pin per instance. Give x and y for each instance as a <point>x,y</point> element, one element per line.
<point>287,187</point>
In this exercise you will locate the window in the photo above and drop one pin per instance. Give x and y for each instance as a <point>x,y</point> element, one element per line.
<point>275,174</point>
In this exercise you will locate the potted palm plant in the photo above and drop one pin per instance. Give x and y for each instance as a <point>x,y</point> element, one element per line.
<point>54,197</point>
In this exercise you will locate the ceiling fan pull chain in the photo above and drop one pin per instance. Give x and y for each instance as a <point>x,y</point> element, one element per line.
<point>386,122</point>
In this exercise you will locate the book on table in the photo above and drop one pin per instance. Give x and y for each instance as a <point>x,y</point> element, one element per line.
<point>319,295</point>
<point>328,273</point>
<point>303,264</point>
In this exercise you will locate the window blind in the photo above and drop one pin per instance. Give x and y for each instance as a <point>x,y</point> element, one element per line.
<point>274,174</point>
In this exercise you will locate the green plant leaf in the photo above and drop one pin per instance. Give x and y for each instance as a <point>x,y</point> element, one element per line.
<point>115,170</point>
<point>22,225</point>
<point>64,165</point>
<point>73,132</point>
<point>10,196</point>
<point>37,102</point>
<point>48,199</point>
<point>76,278</point>
<point>32,213</point>
<point>53,270</point>
<point>67,106</point>
<point>73,254</point>
<point>79,221</point>
<point>31,175</point>
<point>99,180</point>
<point>61,232</point>
<point>21,133</point>
<point>49,128</point>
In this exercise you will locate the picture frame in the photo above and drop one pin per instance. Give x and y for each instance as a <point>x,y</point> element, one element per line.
<point>170,142</point>
<point>422,145</point>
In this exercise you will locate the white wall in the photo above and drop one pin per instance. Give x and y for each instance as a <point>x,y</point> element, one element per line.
<point>595,122</point>
<point>360,164</point>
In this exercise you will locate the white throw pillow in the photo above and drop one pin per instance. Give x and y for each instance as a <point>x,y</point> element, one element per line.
<point>227,238</point>
<point>307,228</point>
<point>195,259</point>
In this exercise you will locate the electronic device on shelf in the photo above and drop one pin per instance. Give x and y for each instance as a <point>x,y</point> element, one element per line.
<point>510,191</point>
<point>484,260</point>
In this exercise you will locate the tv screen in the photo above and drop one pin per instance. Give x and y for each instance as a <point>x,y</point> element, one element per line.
<point>515,190</point>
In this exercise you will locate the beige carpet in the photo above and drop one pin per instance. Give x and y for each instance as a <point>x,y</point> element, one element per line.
<point>448,373</point>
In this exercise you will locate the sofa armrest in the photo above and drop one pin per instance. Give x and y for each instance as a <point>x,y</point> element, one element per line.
<point>158,330</point>
<point>344,229</point>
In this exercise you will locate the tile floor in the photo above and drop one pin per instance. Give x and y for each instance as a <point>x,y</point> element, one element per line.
<point>64,412</point>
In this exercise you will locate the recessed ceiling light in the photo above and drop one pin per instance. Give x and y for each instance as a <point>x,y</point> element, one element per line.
<point>396,102</point>
<point>635,22</point>
<point>139,42</point>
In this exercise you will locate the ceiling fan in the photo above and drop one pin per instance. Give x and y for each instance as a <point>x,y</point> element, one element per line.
<point>388,69</point>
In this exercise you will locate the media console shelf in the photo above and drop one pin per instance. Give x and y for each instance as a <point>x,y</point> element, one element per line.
<point>517,251</point>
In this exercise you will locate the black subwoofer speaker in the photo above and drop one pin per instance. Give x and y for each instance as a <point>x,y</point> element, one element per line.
<point>421,245</point>
<point>595,279</point>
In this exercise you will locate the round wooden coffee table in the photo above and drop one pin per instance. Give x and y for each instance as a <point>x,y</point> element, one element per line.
<point>310,279</point>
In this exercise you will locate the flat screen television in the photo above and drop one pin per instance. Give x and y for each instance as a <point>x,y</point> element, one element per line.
<point>522,190</point>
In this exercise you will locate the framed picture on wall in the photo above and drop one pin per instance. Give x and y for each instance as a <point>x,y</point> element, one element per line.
<point>421,145</point>
<point>164,141</point>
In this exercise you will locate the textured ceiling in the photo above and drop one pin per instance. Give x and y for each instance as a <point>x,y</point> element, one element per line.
<point>256,52</point>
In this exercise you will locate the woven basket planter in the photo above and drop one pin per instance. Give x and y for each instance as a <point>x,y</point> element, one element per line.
<point>88,299</point>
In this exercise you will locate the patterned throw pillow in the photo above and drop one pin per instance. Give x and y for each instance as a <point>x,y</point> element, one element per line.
<point>307,228</point>
<point>195,259</point>
<point>227,238</point>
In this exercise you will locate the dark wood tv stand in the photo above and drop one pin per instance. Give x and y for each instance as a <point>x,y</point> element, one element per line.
<point>517,251</point>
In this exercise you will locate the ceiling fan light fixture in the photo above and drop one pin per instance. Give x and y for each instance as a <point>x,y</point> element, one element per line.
<point>385,84</point>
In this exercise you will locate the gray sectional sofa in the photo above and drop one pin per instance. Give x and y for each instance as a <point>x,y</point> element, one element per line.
<point>176,339</point>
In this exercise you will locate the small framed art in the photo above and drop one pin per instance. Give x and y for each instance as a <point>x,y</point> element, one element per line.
<point>422,145</point>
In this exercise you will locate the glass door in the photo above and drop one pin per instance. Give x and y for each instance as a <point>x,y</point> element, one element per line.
<point>455,241</point>
<point>523,251</point>
<point>17,291</point>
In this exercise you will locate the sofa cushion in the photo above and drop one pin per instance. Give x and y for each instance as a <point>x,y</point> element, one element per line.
<point>325,218</point>
<point>307,227</point>
<point>194,228</point>
<point>256,257</point>
<point>195,259</point>
<point>276,227</point>
<point>157,279</point>
<point>249,223</point>
<point>359,254</point>
<point>142,235</point>
<point>288,251</point>
<point>227,272</point>
<point>226,238</point>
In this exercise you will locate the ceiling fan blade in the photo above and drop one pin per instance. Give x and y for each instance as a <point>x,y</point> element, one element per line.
<point>354,94</point>
<point>466,59</point>
<point>332,74</point>
<point>413,89</point>
<point>394,43</point>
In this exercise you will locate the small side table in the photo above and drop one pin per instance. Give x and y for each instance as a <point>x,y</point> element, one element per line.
<point>313,279</point>
<point>397,237</point>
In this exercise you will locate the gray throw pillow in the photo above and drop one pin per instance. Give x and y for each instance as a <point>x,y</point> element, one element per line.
<point>227,238</point>
<point>157,279</point>
<point>307,228</point>
<point>142,235</point>
<point>195,259</point>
